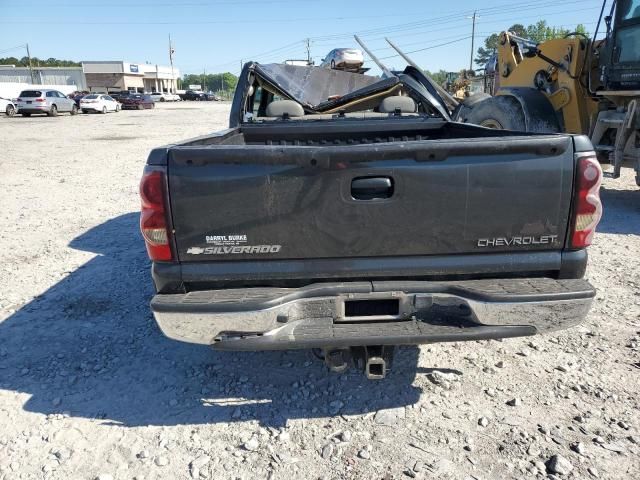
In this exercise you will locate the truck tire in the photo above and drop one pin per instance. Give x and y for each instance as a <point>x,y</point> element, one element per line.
<point>464,108</point>
<point>473,100</point>
<point>501,113</point>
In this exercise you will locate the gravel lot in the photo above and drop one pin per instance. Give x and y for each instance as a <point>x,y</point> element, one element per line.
<point>89,388</point>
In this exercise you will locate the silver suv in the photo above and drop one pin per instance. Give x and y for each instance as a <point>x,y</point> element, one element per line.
<point>46,101</point>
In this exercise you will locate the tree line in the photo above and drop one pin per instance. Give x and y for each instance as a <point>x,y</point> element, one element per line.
<point>211,81</point>
<point>214,82</point>
<point>537,32</point>
<point>38,62</point>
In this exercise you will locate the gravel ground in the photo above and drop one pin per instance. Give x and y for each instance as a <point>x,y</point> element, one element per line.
<point>89,388</point>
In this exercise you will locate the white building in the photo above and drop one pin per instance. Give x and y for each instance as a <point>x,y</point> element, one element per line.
<point>15,79</point>
<point>43,75</point>
<point>110,76</point>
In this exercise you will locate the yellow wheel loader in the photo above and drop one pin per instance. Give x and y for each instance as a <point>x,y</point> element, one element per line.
<point>572,85</point>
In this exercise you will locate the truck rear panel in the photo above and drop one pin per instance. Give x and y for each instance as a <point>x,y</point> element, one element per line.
<point>265,200</point>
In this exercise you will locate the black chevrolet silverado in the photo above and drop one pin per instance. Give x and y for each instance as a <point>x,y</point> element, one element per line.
<point>348,213</point>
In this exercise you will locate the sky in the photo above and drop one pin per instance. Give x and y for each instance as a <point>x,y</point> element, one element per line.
<point>217,35</point>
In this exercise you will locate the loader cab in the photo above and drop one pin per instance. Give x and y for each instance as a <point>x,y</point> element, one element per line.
<point>622,70</point>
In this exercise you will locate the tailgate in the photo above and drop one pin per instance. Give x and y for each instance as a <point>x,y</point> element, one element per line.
<point>430,197</point>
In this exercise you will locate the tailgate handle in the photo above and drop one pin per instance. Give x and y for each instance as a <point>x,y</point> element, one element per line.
<point>371,188</point>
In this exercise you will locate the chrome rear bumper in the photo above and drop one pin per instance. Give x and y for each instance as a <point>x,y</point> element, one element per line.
<point>372,313</point>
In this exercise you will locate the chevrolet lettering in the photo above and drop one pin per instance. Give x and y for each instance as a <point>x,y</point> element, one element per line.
<point>520,241</point>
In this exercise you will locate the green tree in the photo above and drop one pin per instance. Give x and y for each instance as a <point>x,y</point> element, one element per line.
<point>491,44</point>
<point>541,32</point>
<point>581,30</point>
<point>36,62</point>
<point>538,32</point>
<point>215,82</point>
<point>439,77</point>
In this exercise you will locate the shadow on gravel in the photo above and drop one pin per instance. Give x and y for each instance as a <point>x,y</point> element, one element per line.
<point>621,211</point>
<point>89,347</point>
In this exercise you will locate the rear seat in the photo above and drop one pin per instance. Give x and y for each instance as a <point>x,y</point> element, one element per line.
<point>281,108</point>
<point>392,104</point>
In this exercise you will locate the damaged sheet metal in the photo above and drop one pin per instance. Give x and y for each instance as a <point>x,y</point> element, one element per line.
<point>322,90</point>
<point>312,86</point>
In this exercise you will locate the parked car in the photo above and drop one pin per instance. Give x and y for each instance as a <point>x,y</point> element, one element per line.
<point>193,95</point>
<point>96,102</point>
<point>118,96</point>
<point>164,97</point>
<point>138,101</point>
<point>7,106</point>
<point>47,101</point>
<point>343,59</point>
<point>386,225</point>
<point>212,97</point>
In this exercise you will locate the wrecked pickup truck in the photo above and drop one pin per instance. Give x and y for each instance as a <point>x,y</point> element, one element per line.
<point>347,213</point>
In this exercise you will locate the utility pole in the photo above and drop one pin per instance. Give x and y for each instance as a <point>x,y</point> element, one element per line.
<point>173,80</point>
<point>204,76</point>
<point>308,52</point>
<point>30,67</point>
<point>473,37</point>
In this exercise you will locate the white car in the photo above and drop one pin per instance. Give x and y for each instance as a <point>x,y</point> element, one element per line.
<point>97,102</point>
<point>7,106</point>
<point>164,97</point>
<point>343,59</point>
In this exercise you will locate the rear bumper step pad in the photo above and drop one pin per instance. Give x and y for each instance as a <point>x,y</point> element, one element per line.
<point>321,333</point>
<point>315,316</point>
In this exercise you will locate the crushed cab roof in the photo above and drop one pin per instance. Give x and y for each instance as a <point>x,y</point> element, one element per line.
<point>312,86</point>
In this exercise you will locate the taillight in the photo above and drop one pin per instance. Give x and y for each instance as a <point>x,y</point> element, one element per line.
<point>587,210</point>
<point>153,215</point>
<point>40,99</point>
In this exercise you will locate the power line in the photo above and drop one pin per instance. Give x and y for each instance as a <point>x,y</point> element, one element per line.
<point>13,48</point>
<point>161,4</point>
<point>484,23</point>
<point>429,48</point>
<point>486,33</point>
<point>464,24</point>
<point>385,30</point>
<point>272,53</point>
<point>453,18</point>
